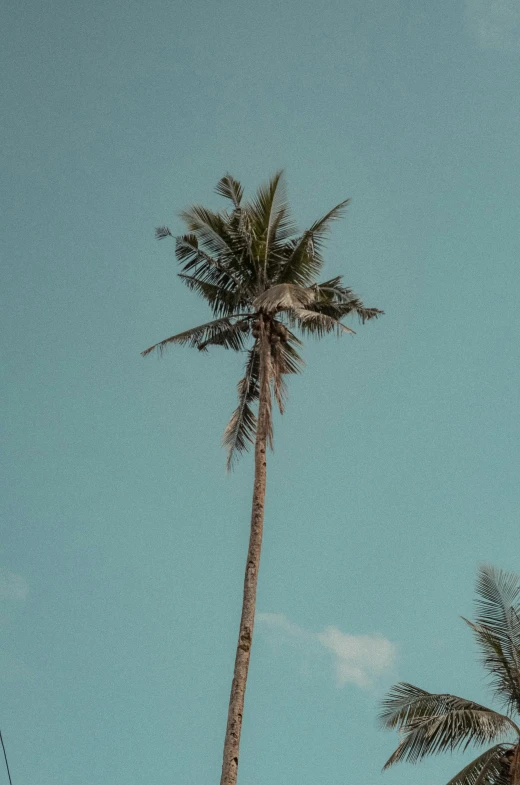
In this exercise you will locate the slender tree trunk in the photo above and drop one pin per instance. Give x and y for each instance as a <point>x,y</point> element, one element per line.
<point>245,637</point>
<point>514,774</point>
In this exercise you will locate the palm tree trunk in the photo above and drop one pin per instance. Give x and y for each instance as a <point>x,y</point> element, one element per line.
<point>514,772</point>
<point>245,636</point>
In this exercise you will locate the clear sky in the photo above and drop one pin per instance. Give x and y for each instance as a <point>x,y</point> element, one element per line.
<point>396,464</point>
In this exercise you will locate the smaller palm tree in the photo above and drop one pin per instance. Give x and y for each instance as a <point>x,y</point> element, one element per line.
<point>430,723</point>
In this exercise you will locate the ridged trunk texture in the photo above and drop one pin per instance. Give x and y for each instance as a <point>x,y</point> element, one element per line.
<point>245,637</point>
<point>515,767</point>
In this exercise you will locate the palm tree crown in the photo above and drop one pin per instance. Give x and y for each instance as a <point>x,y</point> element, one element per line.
<point>258,276</point>
<point>430,723</point>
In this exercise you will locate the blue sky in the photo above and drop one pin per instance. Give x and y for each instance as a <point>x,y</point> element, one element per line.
<point>396,465</point>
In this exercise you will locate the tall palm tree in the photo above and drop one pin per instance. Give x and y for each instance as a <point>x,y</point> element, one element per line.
<point>430,723</point>
<point>258,275</point>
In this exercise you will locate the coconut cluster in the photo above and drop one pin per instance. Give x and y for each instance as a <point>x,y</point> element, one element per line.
<point>277,331</point>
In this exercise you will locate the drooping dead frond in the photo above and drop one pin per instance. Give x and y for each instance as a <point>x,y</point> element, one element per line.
<point>365,314</point>
<point>266,376</point>
<point>278,382</point>
<point>222,332</point>
<point>288,358</point>
<point>282,297</point>
<point>231,337</point>
<point>241,428</point>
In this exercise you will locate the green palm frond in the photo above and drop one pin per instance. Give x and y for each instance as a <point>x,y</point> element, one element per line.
<point>210,228</point>
<point>447,733</point>
<point>405,700</point>
<point>162,232</point>
<point>271,224</point>
<point>191,256</point>
<point>241,428</point>
<point>490,768</point>
<point>406,703</point>
<point>283,229</point>
<point>320,227</point>
<point>230,189</point>
<point>188,252</point>
<point>335,300</point>
<point>221,332</point>
<point>204,266</point>
<point>305,262</point>
<point>504,677</point>
<point>433,723</point>
<point>318,324</point>
<point>302,263</point>
<point>498,611</point>
<point>269,201</point>
<point>222,301</point>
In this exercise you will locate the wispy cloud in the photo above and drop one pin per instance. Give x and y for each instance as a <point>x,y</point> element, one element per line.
<point>495,23</point>
<point>356,659</point>
<point>12,586</point>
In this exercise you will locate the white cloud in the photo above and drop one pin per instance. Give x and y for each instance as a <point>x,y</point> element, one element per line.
<point>495,23</point>
<point>12,586</point>
<point>281,622</point>
<point>357,659</point>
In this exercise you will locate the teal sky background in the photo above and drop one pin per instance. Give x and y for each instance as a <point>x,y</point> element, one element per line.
<point>396,465</point>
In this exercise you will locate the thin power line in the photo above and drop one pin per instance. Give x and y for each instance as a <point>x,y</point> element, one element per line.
<point>5,756</point>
